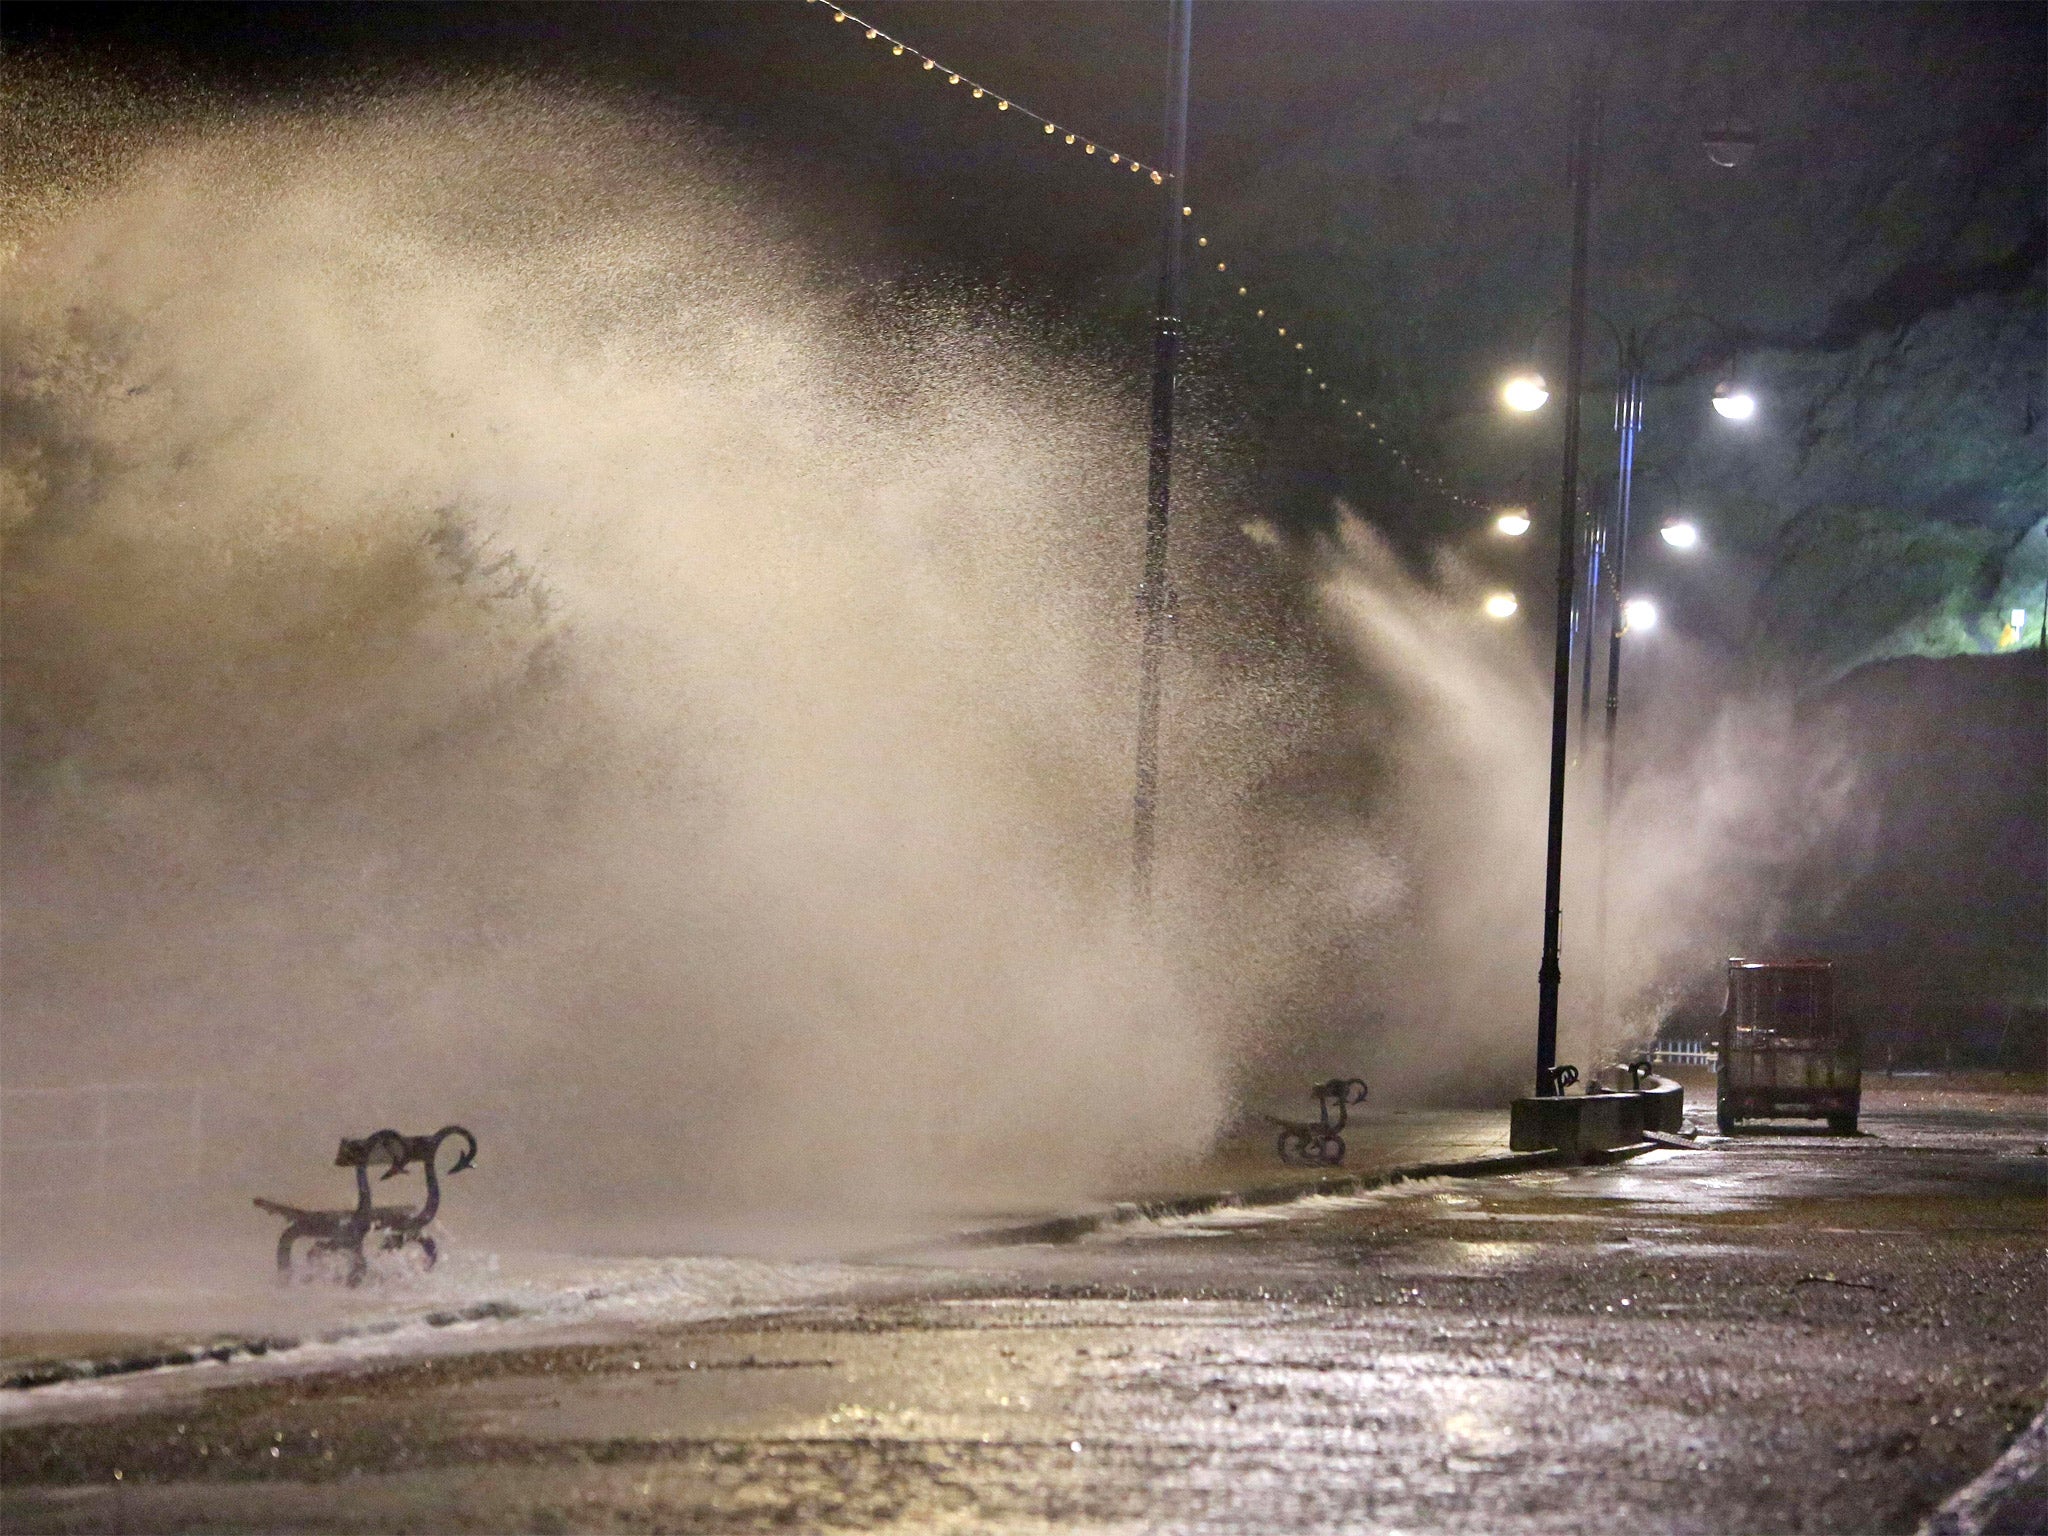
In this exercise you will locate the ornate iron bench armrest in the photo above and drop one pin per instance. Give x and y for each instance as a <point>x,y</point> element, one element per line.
<point>343,1231</point>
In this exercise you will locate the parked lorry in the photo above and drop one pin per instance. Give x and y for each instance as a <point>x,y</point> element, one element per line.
<point>1784,1053</point>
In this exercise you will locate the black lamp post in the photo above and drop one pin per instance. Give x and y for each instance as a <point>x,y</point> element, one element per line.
<point>1606,551</point>
<point>1727,145</point>
<point>1586,106</point>
<point>1153,595</point>
<point>1729,402</point>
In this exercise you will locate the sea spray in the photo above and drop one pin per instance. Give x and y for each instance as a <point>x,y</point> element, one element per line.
<point>494,634</point>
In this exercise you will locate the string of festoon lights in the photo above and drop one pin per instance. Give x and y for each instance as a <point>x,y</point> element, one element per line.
<point>1288,337</point>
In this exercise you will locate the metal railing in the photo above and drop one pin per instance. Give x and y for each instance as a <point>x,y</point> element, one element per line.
<point>75,1148</point>
<point>1685,1053</point>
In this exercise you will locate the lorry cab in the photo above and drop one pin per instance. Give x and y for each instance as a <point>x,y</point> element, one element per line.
<point>1784,1053</point>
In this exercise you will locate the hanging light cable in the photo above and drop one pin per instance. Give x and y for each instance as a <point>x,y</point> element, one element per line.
<point>1061,133</point>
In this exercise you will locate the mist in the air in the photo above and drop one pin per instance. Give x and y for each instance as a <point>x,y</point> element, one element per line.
<point>493,636</point>
<point>496,632</point>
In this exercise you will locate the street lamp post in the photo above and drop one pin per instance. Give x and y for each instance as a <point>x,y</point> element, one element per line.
<point>1628,421</point>
<point>1529,395</point>
<point>1586,102</point>
<point>1606,567</point>
<point>1159,468</point>
<point>1733,404</point>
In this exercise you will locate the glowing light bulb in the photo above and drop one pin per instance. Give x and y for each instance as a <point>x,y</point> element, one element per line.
<point>1525,392</point>
<point>1514,522</point>
<point>1158,180</point>
<point>1680,535</point>
<point>1735,404</point>
<point>1501,605</point>
<point>1638,613</point>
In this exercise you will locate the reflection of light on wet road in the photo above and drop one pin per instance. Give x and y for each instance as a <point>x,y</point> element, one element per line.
<point>1472,1435</point>
<point>1587,1352</point>
<point>1486,1255</point>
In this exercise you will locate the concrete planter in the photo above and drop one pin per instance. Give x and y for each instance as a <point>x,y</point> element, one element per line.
<point>1663,1105</point>
<point>1580,1124</point>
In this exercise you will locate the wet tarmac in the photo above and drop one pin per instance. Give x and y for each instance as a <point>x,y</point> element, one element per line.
<point>1774,1333</point>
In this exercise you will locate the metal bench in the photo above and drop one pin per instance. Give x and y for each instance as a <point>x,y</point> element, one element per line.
<point>345,1231</point>
<point>1319,1143</point>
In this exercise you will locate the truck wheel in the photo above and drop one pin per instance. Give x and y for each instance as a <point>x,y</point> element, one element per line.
<point>1842,1125</point>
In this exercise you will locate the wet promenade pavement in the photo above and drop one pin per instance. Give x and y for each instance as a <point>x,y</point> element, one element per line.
<point>1777,1333</point>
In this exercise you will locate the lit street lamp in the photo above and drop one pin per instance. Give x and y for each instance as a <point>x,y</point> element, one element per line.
<point>1607,540</point>
<point>1512,523</point>
<point>1733,403</point>
<point>1525,392</point>
<point>1501,605</point>
<point>1727,145</point>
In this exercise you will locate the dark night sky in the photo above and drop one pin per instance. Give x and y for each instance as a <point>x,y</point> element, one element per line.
<point>1900,182</point>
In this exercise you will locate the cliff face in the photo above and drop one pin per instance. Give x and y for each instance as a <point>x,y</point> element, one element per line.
<point>1944,917</point>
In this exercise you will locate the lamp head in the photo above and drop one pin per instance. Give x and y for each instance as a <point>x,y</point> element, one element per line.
<point>1638,613</point>
<point>1734,402</point>
<point>1501,605</point>
<point>1513,523</point>
<point>1525,392</point>
<point>1680,534</point>
<point>1728,144</point>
